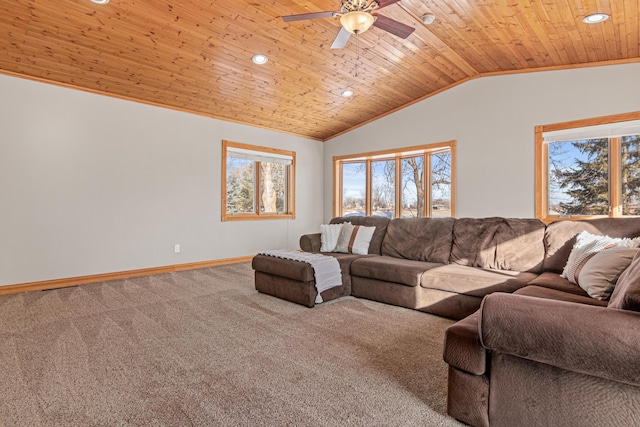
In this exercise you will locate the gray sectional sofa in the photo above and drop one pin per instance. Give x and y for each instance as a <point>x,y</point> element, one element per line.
<point>530,347</point>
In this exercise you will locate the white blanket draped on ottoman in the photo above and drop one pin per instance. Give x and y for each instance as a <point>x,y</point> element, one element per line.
<point>326,269</point>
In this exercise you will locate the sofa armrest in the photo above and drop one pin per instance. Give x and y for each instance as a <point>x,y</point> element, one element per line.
<point>462,348</point>
<point>597,341</point>
<point>310,242</point>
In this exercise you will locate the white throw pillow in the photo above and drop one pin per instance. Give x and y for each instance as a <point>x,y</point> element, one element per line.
<point>329,234</point>
<point>599,273</point>
<point>354,239</point>
<point>588,244</point>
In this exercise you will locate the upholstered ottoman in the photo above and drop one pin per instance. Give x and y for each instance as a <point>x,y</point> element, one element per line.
<point>294,280</point>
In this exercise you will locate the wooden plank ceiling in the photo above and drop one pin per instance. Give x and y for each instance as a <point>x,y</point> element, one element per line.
<point>195,55</point>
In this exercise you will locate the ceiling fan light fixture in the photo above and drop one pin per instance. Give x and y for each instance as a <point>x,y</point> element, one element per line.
<point>357,22</point>
<point>595,18</point>
<point>346,93</point>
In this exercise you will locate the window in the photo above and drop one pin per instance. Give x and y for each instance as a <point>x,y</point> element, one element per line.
<point>588,168</point>
<point>257,182</point>
<point>404,183</point>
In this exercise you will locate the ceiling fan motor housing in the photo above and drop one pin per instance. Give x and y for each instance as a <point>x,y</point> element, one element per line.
<point>358,5</point>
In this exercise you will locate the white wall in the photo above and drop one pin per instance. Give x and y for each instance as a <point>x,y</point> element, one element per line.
<point>493,120</point>
<point>91,184</point>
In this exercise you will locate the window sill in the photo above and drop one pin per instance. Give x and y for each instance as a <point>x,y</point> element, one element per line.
<point>254,217</point>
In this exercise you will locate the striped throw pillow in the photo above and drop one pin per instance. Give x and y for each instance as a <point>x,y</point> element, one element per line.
<point>354,239</point>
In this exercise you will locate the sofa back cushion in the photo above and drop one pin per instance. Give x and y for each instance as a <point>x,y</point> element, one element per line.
<point>626,295</point>
<point>499,243</point>
<point>419,239</point>
<point>560,236</point>
<point>379,222</point>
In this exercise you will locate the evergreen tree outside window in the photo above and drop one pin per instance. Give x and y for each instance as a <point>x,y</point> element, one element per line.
<point>630,179</point>
<point>240,186</point>
<point>257,182</point>
<point>411,182</point>
<point>588,168</point>
<point>579,177</point>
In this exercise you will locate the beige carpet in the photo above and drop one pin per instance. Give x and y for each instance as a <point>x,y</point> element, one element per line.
<point>203,348</point>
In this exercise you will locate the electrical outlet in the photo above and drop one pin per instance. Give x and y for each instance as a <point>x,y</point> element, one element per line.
<point>176,248</point>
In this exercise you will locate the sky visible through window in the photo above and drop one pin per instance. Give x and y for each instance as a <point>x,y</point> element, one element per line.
<point>354,180</point>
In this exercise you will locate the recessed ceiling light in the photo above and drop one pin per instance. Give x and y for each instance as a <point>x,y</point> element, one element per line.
<point>595,18</point>
<point>347,93</point>
<point>259,59</point>
<point>99,1</point>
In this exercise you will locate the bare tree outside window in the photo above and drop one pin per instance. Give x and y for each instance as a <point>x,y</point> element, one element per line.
<point>354,188</point>
<point>273,186</point>
<point>441,184</point>
<point>383,188</point>
<point>412,187</point>
<point>413,182</point>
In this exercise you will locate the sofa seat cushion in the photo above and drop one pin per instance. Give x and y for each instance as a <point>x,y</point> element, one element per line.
<point>298,270</point>
<point>462,348</point>
<point>554,281</point>
<point>548,293</point>
<point>388,269</point>
<point>474,281</point>
<point>345,260</point>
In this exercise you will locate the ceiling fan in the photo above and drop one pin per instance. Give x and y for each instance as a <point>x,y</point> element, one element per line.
<point>356,17</point>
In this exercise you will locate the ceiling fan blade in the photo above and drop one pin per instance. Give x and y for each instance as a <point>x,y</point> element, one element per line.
<point>385,3</point>
<point>392,26</point>
<point>341,39</point>
<point>303,16</point>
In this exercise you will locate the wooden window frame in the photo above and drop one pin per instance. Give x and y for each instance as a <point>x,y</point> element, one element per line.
<point>291,188</point>
<point>396,154</point>
<point>542,167</point>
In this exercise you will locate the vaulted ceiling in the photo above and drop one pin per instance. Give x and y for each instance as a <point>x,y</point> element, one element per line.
<point>195,55</point>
